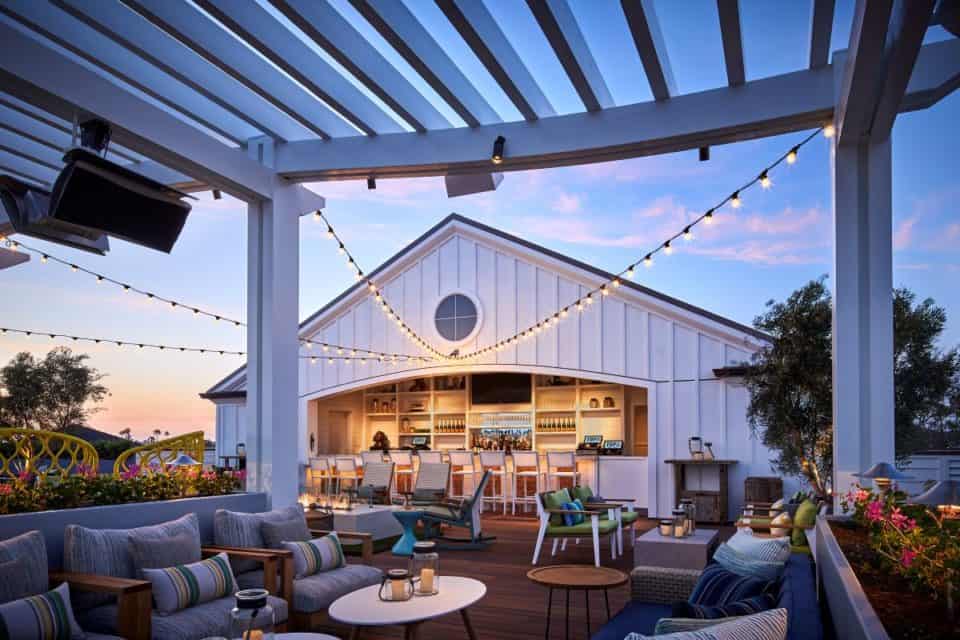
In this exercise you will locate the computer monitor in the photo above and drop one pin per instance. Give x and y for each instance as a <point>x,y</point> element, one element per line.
<point>613,444</point>
<point>592,440</point>
<point>419,441</point>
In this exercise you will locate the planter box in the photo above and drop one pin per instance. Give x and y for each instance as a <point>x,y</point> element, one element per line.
<point>851,612</point>
<point>125,516</point>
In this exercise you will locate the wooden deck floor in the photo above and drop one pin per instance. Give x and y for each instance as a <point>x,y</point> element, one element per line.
<point>514,608</point>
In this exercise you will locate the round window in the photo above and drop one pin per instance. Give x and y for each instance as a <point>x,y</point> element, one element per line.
<point>456,317</point>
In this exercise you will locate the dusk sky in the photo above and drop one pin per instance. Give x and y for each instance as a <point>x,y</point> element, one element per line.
<point>608,215</point>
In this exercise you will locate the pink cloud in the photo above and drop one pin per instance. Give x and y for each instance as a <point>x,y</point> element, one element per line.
<point>903,234</point>
<point>768,253</point>
<point>566,203</point>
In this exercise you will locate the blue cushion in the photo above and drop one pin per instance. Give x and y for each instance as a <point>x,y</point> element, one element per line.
<point>756,604</point>
<point>718,586</point>
<point>570,519</point>
<point>742,564</point>
<point>798,595</point>
<point>639,617</point>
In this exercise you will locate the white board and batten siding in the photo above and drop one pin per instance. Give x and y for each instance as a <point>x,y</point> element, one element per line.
<point>630,337</point>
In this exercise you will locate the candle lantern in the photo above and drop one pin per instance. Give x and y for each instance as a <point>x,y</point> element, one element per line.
<point>679,522</point>
<point>241,450</point>
<point>396,586</point>
<point>425,569</point>
<point>690,515</point>
<point>666,527</point>
<point>695,445</point>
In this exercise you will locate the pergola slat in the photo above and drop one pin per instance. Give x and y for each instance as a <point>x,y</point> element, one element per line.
<point>24,174</point>
<point>559,25</point>
<point>729,12</point>
<point>115,62</point>
<point>645,28</point>
<point>321,22</point>
<point>262,31</point>
<point>14,143</point>
<point>403,31</point>
<point>821,28</point>
<point>117,22</point>
<point>196,30</point>
<point>481,32</point>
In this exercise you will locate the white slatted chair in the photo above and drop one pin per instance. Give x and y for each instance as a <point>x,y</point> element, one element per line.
<point>526,466</point>
<point>496,463</point>
<point>371,456</point>
<point>320,476</point>
<point>561,465</point>
<point>432,482</point>
<point>347,471</point>
<point>462,466</point>
<point>376,483</point>
<point>430,457</point>
<point>402,471</point>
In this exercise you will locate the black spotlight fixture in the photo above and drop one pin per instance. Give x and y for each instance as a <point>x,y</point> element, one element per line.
<point>498,145</point>
<point>371,183</point>
<point>704,154</point>
<point>216,194</point>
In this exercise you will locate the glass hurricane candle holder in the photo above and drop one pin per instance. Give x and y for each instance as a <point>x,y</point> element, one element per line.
<point>252,617</point>
<point>396,586</point>
<point>666,527</point>
<point>679,522</point>
<point>425,569</point>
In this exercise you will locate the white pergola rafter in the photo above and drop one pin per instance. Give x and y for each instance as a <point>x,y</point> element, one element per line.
<point>730,33</point>
<point>821,28</point>
<point>651,47</point>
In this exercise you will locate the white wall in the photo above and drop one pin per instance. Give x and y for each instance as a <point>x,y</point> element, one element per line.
<point>936,467</point>
<point>231,427</point>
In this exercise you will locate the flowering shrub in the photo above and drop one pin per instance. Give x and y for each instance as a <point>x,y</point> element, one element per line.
<point>913,541</point>
<point>85,487</point>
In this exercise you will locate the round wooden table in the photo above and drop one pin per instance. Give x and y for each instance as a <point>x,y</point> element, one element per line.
<point>363,608</point>
<point>576,577</point>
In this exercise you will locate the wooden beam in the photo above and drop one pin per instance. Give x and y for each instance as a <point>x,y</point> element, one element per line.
<point>642,19</point>
<point>403,31</point>
<point>729,12</point>
<point>331,31</point>
<point>481,32</point>
<point>559,25</point>
<point>821,29</point>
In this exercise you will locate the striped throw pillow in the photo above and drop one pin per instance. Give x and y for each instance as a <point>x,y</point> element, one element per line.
<point>742,564</point>
<point>186,585</point>
<point>759,548</point>
<point>718,586</point>
<point>314,556</point>
<point>48,616</point>
<point>769,625</point>
<point>756,604</point>
<point>676,625</point>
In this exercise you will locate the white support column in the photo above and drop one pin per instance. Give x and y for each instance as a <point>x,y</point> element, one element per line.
<point>273,350</point>
<point>862,310</point>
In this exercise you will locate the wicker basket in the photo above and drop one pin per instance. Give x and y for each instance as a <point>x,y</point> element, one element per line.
<point>762,489</point>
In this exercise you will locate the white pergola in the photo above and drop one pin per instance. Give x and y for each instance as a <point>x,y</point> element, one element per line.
<point>222,94</point>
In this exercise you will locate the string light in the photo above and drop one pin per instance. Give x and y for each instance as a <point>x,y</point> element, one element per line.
<point>44,258</point>
<point>317,216</point>
<point>667,249</point>
<point>708,217</point>
<point>765,180</point>
<point>735,201</point>
<point>792,156</point>
<point>829,131</point>
<point>687,234</point>
<point>648,261</point>
<point>629,272</point>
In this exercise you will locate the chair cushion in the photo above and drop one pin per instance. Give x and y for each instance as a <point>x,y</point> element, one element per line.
<point>636,616</point>
<point>806,516</point>
<point>629,517</point>
<point>584,529</point>
<point>315,556</point>
<point>783,521</point>
<point>292,530</point>
<point>581,493</point>
<point>441,512</point>
<point>556,500</point>
<point>209,619</point>
<point>238,529</point>
<point>158,553</point>
<point>742,564</point>
<point>29,576</point>
<point>317,592</point>
<point>798,595</point>
<point>760,548</point>
<point>187,585</point>
<point>769,625</point>
<point>718,586</point>
<point>106,552</point>
<point>99,636</point>
<point>40,617</point>
<point>756,604</point>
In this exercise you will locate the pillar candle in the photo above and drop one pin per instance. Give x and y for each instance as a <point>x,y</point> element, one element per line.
<point>426,580</point>
<point>397,589</point>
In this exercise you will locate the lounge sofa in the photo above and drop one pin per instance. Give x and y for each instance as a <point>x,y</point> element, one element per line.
<point>654,589</point>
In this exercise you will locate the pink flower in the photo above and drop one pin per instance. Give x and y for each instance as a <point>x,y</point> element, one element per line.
<point>209,475</point>
<point>240,475</point>
<point>5,489</point>
<point>132,472</point>
<point>862,495</point>
<point>25,476</point>
<point>907,557</point>
<point>900,521</point>
<point>874,511</point>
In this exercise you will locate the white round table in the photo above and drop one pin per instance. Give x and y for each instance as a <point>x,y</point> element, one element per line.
<point>305,636</point>
<point>363,608</point>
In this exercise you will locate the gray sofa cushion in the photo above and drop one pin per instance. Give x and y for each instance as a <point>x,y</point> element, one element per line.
<point>106,552</point>
<point>317,592</point>
<point>202,621</point>
<point>160,553</point>
<point>237,529</point>
<point>29,552</point>
<point>99,636</point>
<point>292,530</point>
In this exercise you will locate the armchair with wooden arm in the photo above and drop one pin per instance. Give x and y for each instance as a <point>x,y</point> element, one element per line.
<point>597,527</point>
<point>275,562</point>
<point>365,539</point>
<point>133,599</point>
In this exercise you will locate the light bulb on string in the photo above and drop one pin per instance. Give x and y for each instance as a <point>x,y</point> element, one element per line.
<point>630,271</point>
<point>735,201</point>
<point>829,131</point>
<point>667,249</point>
<point>687,234</point>
<point>648,261</point>
<point>590,298</point>
<point>317,216</point>
<point>330,233</point>
<point>604,290</point>
<point>44,258</point>
<point>616,283</point>
<point>792,156</point>
<point>74,268</point>
<point>564,312</point>
<point>341,249</point>
<point>765,180</point>
<point>708,217</point>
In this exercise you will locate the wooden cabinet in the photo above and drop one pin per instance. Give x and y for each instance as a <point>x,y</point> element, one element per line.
<point>712,504</point>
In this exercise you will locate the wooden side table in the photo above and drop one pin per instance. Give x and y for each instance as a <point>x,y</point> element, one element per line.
<point>576,577</point>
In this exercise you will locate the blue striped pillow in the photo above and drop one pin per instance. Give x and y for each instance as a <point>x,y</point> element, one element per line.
<point>48,616</point>
<point>571,519</point>
<point>732,560</point>
<point>756,604</point>
<point>314,556</point>
<point>769,625</point>
<point>718,586</point>
<point>759,548</point>
<point>186,585</point>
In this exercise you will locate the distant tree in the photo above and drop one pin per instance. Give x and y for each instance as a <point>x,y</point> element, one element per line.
<point>156,434</point>
<point>791,382</point>
<point>53,393</point>
<point>166,434</point>
<point>126,433</point>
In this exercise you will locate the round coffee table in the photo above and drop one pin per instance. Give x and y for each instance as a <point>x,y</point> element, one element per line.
<point>576,577</point>
<point>305,636</point>
<point>363,608</point>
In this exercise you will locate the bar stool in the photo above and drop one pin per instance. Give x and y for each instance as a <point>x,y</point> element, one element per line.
<point>462,466</point>
<point>371,456</point>
<point>526,465</point>
<point>496,463</point>
<point>349,470</point>
<point>430,457</point>
<point>561,464</point>
<point>402,468</point>
<point>319,473</point>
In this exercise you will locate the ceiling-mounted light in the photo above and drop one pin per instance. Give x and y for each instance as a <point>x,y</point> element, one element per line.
<point>498,145</point>
<point>704,154</point>
<point>371,183</point>
<point>216,194</point>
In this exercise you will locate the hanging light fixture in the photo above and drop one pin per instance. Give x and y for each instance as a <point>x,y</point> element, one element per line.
<point>765,180</point>
<point>498,145</point>
<point>792,155</point>
<point>735,201</point>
